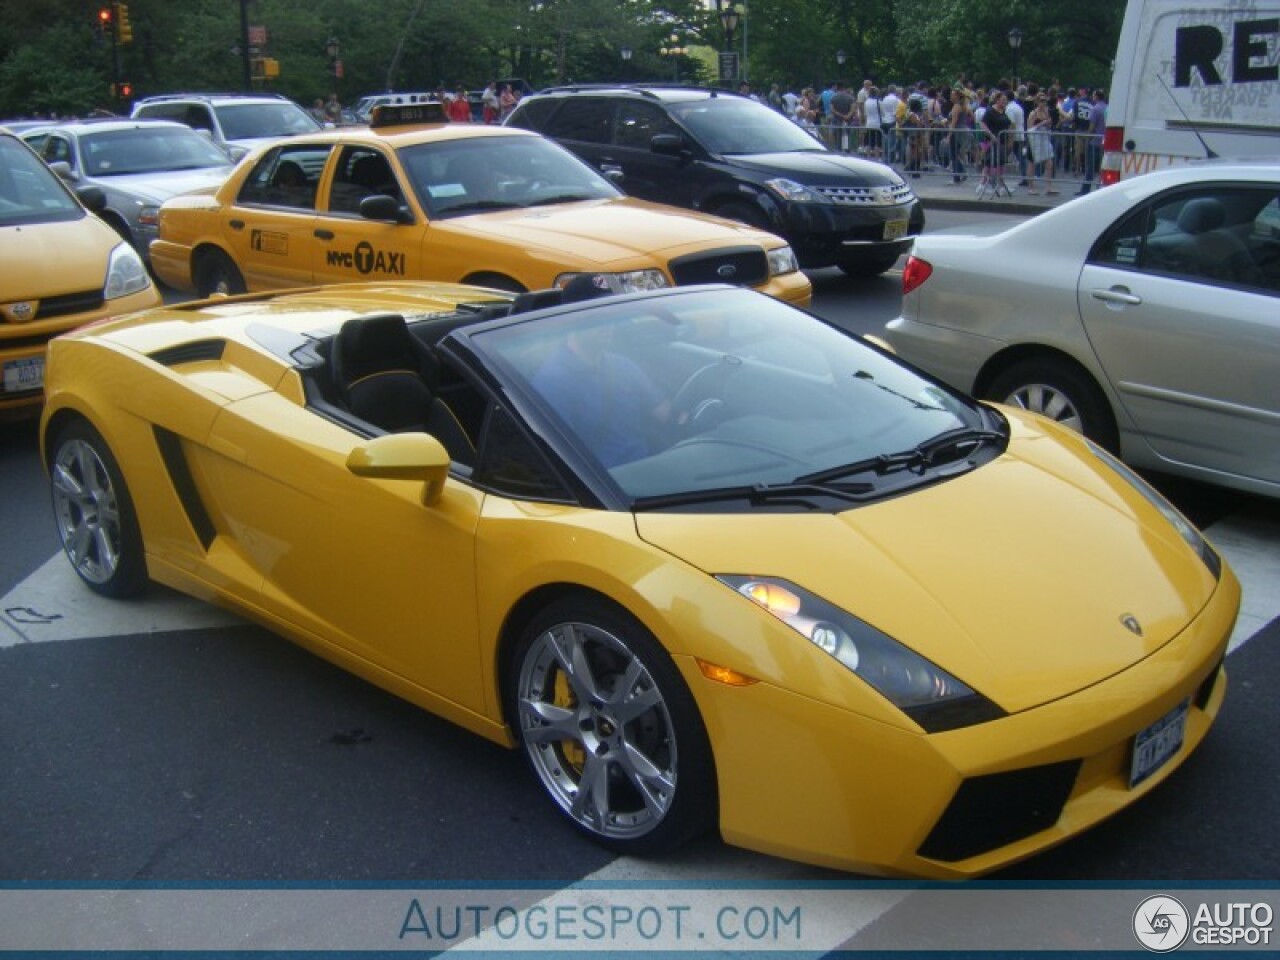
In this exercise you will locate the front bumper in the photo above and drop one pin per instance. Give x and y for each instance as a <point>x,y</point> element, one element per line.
<point>812,782</point>
<point>794,288</point>
<point>822,234</point>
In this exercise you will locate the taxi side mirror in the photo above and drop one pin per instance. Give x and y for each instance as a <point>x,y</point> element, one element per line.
<point>380,207</point>
<point>404,456</point>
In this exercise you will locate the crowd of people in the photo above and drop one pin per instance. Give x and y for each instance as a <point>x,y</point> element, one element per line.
<point>1040,134</point>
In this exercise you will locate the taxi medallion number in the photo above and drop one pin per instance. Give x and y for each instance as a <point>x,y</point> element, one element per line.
<point>1153,746</point>
<point>23,375</point>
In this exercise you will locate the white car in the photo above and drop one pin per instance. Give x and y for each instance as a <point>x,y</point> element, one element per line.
<point>1145,315</point>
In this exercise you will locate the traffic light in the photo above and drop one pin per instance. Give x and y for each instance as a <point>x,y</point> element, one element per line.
<point>105,22</point>
<point>124,29</point>
<point>124,90</point>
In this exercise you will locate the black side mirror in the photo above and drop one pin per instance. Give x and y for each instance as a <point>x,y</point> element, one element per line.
<point>667,144</point>
<point>381,207</point>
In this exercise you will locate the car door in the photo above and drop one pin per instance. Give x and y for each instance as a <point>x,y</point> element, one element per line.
<point>270,226</point>
<point>1181,302</point>
<point>348,246</point>
<point>585,126</point>
<point>663,177</point>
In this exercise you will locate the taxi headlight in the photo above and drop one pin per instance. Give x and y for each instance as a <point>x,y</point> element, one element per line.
<point>925,692</point>
<point>1185,528</point>
<point>629,281</point>
<point>794,192</point>
<point>782,260</point>
<point>125,273</point>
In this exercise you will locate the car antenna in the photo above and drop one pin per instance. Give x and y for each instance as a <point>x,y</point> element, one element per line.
<point>1208,151</point>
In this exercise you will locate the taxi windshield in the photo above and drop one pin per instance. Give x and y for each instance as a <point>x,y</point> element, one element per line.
<point>458,177</point>
<point>708,390</point>
<point>29,190</point>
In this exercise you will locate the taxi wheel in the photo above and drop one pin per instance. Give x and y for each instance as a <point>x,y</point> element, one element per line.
<point>610,729</point>
<point>217,275</point>
<point>94,512</point>
<point>1061,392</point>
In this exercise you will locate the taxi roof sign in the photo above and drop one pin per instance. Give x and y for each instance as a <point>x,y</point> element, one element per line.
<point>407,114</point>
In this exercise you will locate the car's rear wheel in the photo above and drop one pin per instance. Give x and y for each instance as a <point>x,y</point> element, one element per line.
<point>869,264</point>
<point>610,729</point>
<point>94,512</point>
<point>1059,391</point>
<point>217,275</point>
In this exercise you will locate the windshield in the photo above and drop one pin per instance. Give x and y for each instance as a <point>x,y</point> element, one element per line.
<point>730,125</point>
<point>711,389</point>
<point>148,150</point>
<point>248,121</point>
<point>456,177</point>
<point>29,191</point>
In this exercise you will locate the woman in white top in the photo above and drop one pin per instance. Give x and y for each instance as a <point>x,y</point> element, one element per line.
<point>872,119</point>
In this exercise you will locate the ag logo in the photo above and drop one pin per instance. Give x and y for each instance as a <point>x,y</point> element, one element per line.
<point>1161,923</point>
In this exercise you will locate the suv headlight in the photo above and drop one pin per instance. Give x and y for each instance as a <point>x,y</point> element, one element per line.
<point>794,192</point>
<point>630,281</point>
<point>922,690</point>
<point>782,260</point>
<point>125,273</point>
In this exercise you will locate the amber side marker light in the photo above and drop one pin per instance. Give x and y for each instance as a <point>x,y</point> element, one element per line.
<point>731,678</point>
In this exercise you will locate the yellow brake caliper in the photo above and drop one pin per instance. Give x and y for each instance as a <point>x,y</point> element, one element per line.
<point>574,754</point>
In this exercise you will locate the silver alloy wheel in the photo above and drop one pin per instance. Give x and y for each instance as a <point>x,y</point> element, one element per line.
<point>1048,400</point>
<point>84,504</point>
<point>597,730</point>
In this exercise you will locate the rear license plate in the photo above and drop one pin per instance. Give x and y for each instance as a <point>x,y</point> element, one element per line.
<point>1153,746</point>
<point>895,229</point>
<point>23,375</point>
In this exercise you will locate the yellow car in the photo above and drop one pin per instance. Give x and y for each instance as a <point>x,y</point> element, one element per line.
<point>62,267</point>
<point>408,200</point>
<point>707,562</point>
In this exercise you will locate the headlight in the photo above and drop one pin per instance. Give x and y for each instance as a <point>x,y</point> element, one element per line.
<point>1180,523</point>
<point>794,192</point>
<point>631,281</point>
<point>125,273</point>
<point>782,260</point>
<point>922,690</point>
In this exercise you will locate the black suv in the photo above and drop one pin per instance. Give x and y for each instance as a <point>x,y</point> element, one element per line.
<point>726,154</point>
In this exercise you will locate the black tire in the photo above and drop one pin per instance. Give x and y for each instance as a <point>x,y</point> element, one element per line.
<point>94,512</point>
<point>217,275</point>
<point>631,767</point>
<point>1061,392</point>
<point>747,213</point>
<point>870,264</point>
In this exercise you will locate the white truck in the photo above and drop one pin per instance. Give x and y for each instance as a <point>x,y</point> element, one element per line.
<point>1192,81</point>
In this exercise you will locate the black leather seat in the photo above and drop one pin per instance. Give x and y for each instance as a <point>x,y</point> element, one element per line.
<point>385,376</point>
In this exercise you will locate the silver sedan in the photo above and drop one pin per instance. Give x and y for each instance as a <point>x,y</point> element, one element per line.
<point>1146,315</point>
<point>138,164</point>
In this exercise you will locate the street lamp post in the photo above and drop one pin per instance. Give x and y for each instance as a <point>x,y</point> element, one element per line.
<point>334,50</point>
<point>1015,44</point>
<point>626,52</point>
<point>673,50</point>
<point>841,59</point>
<point>730,17</point>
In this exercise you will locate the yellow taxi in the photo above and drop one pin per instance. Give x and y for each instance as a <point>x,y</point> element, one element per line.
<point>414,198</point>
<point>63,267</point>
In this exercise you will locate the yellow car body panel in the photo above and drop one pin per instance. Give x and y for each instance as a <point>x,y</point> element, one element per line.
<point>278,248</point>
<point>811,762</point>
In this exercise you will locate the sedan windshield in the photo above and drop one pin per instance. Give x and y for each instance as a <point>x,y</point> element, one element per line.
<point>457,177</point>
<point>148,150</point>
<point>730,125</point>
<point>730,390</point>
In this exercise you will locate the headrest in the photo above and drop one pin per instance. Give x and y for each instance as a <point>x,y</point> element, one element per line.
<point>1201,215</point>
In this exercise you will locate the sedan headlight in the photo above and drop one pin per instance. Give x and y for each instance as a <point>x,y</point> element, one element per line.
<point>630,281</point>
<point>1185,529</point>
<point>794,192</point>
<point>125,273</point>
<point>925,692</point>
<point>782,260</point>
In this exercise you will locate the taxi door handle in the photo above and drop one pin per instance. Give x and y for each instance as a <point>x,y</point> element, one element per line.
<point>236,224</point>
<point>324,234</point>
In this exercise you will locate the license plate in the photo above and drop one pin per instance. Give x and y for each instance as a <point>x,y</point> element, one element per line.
<point>895,229</point>
<point>1153,746</point>
<point>23,375</point>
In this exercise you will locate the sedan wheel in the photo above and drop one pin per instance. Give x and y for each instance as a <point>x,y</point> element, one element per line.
<point>610,729</point>
<point>1060,392</point>
<point>94,513</point>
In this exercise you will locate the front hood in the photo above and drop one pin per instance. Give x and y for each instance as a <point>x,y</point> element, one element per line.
<point>48,259</point>
<point>828,169</point>
<point>1015,577</point>
<point>610,232</point>
<point>159,187</point>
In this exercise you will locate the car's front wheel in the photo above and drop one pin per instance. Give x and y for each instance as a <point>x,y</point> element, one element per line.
<point>1060,392</point>
<point>217,275</point>
<point>94,513</point>
<point>610,729</point>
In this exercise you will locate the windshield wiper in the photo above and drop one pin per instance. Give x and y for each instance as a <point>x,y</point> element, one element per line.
<point>562,198</point>
<point>758,493</point>
<point>961,442</point>
<point>479,205</point>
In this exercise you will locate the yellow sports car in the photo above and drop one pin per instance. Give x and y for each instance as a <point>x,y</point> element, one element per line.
<point>412,199</point>
<point>708,562</point>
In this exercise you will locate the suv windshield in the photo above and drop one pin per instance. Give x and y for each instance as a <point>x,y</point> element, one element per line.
<point>29,191</point>
<point>457,177</point>
<point>730,125</point>
<point>147,150</point>
<point>247,121</point>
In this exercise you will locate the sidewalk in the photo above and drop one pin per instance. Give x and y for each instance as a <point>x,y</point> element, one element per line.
<point>937,191</point>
